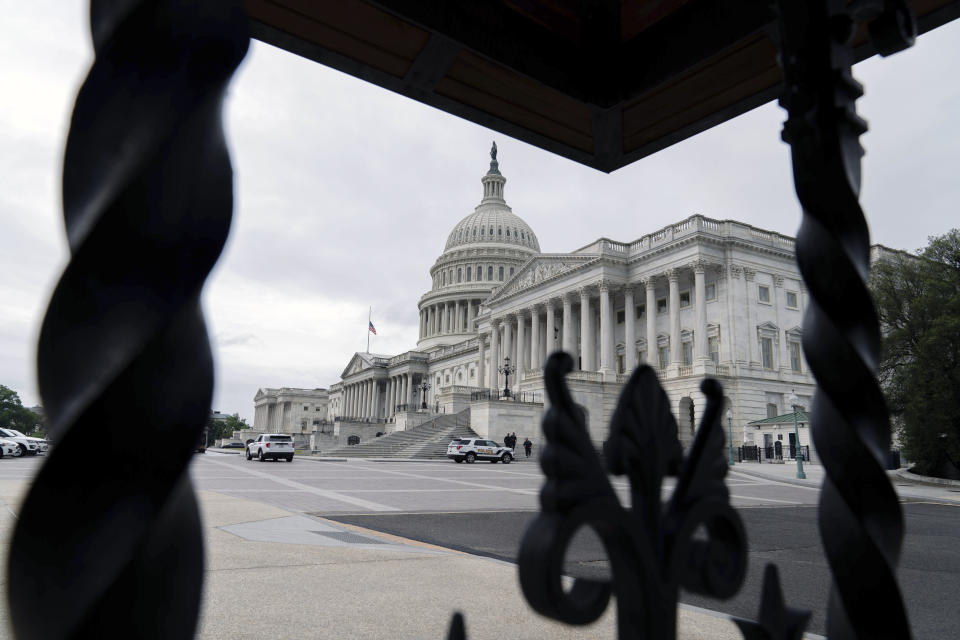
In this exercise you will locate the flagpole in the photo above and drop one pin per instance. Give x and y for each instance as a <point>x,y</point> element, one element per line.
<point>369,320</point>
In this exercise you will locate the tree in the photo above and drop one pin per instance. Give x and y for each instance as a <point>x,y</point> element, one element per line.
<point>13,415</point>
<point>918,302</point>
<point>218,429</point>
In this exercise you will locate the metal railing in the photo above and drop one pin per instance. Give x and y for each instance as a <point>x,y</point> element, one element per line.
<point>521,397</point>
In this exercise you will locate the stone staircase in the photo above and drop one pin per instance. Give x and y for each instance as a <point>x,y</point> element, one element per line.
<point>428,441</point>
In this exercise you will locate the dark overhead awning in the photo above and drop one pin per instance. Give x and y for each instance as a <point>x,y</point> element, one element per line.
<point>602,82</point>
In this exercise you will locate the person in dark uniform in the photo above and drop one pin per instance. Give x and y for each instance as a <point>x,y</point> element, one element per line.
<point>527,446</point>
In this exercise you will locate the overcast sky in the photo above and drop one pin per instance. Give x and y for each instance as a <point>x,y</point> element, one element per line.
<point>345,194</point>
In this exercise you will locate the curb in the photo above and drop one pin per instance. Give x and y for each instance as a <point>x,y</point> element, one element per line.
<point>764,476</point>
<point>905,474</point>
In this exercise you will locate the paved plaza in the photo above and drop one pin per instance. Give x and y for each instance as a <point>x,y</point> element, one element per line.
<point>367,549</point>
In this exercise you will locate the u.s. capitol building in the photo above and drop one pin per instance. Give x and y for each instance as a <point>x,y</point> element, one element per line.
<point>697,298</point>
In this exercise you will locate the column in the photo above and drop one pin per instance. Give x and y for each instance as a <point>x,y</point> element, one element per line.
<point>653,349</point>
<point>676,352</point>
<point>375,388</point>
<point>629,330</point>
<point>551,333</point>
<point>494,354</point>
<point>587,361</point>
<point>700,300</point>
<point>569,340</point>
<point>481,368</point>
<point>779,303</point>
<point>351,410</point>
<point>390,403</point>
<point>470,315</point>
<point>508,340</point>
<point>457,321</point>
<point>606,328</point>
<point>368,399</point>
<point>752,346</point>
<point>521,344</point>
<point>430,321</point>
<point>405,389</point>
<point>535,337</point>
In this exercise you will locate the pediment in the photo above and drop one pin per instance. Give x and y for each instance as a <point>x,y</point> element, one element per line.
<point>356,365</point>
<point>538,270</point>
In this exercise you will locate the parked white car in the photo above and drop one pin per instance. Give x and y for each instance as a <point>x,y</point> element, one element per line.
<point>9,448</point>
<point>271,445</point>
<point>28,446</point>
<point>470,450</point>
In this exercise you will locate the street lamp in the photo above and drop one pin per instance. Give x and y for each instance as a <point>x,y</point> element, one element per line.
<point>731,461</point>
<point>424,387</point>
<point>506,370</point>
<point>793,400</point>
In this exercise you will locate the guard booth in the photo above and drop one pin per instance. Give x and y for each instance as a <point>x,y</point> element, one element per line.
<point>601,83</point>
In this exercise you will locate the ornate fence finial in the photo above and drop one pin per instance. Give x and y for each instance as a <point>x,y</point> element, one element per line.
<point>115,549</point>
<point>651,547</point>
<point>775,620</point>
<point>860,520</point>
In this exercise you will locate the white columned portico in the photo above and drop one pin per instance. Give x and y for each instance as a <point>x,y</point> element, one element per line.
<point>676,352</point>
<point>586,338</point>
<point>629,330</point>
<point>494,354</point>
<point>700,300</point>
<point>535,337</point>
<point>569,340</point>
<point>521,344</point>
<point>606,329</point>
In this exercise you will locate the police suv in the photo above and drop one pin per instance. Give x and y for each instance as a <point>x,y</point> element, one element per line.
<point>473,449</point>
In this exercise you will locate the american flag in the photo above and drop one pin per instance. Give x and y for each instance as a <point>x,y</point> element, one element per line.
<point>373,329</point>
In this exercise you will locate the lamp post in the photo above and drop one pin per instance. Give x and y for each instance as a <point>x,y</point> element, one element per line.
<point>731,461</point>
<point>424,387</point>
<point>506,370</point>
<point>793,400</point>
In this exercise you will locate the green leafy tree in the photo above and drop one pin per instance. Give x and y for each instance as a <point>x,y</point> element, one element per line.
<point>13,415</point>
<point>218,429</point>
<point>918,302</point>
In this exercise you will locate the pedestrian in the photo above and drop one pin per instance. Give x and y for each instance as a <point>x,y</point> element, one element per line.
<point>527,446</point>
<point>513,440</point>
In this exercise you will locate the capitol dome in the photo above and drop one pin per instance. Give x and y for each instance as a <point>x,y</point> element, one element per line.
<point>484,251</point>
<point>492,222</point>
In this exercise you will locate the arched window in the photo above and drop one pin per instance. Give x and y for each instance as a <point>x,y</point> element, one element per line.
<point>474,232</point>
<point>499,231</point>
<point>459,274</point>
<point>511,272</point>
<point>479,273</point>
<point>481,230</point>
<point>451,276</point>
<point>469,271</point>
<point>490,273</point>
<point>491,231</point>
<point>501,274</point>
<point>443,279</point>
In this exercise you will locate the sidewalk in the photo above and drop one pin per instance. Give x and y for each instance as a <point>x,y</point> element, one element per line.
<point>271,573</point>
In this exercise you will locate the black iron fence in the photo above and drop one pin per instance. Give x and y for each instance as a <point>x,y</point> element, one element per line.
<point>757,453</point>
<point>523,397</point>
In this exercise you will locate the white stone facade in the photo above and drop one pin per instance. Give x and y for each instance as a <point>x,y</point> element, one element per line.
<point>697,298</point>
<point>288,410</point>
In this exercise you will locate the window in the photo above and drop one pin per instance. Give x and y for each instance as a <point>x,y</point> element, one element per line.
<point>771,410</point>
<point>490,273</point>
<point>491,231</point>
<point>479,273</point>
<point>713,346</point>
<point>763,293</point>
<point>469,273</point>
<point>318,408</point>
<point>661,305</point>
<point>794,356</point>
<point>459,274</point>
<point>664,356</point>
<point>316,423</point>
<point>444,277</point>
<point>711,292</point>
<point>766,352</point>
<point>792,300</point>
<point>500,274</point>
<point>619,364</point>
<point>687,353</point>
<point>511,272</point>
<point>641,310</point>
<point>684,299</point>
<point>641,356</point>
<point>620,317</point>
<point>499,231</point>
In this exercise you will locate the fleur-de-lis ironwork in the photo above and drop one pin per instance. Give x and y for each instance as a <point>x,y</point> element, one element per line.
<point>775,620</point>
<point>652,547</point>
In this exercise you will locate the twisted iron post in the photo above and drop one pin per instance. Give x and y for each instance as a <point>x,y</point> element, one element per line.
<point>861,524</point>
<point>109,535</point>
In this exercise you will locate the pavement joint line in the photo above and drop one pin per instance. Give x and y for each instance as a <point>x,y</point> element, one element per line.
<point>768,480</point>
<point>765,499</point>
<point>453,481</point>
<point>389,537</point>
<point>332,495</point>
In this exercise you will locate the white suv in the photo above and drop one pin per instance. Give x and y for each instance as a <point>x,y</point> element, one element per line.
<point>28,446</point>
<point>9,448</point>
<point>271,445</point>
<point>473,449</point>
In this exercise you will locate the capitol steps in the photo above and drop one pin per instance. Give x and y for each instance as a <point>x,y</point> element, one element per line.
<point>427,441</point>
